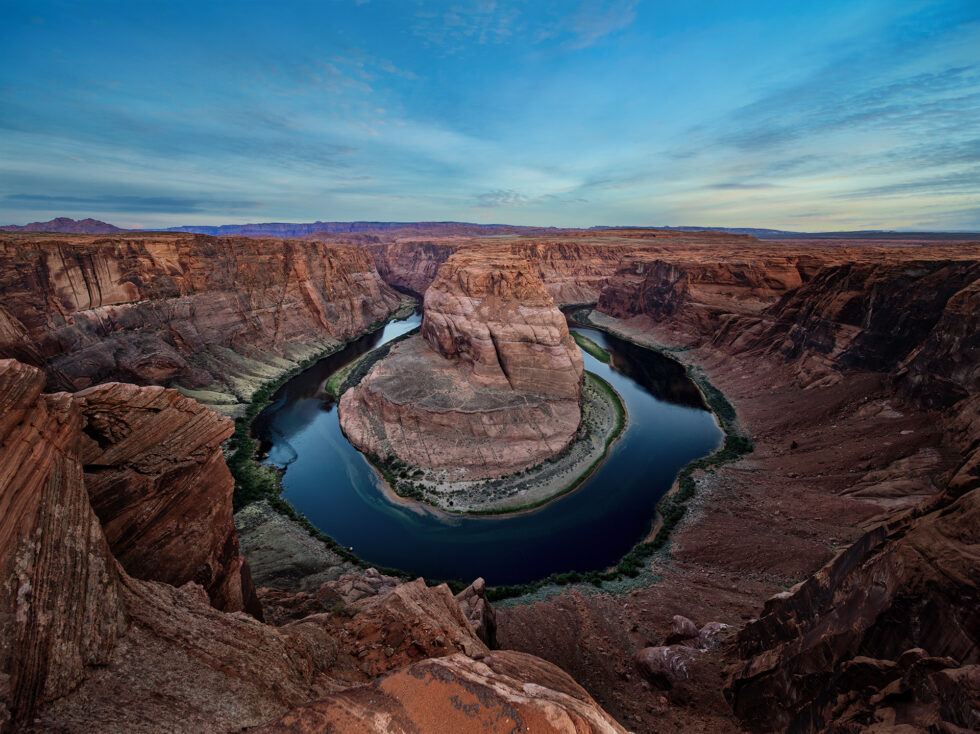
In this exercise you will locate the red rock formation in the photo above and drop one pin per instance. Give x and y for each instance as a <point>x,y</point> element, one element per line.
<point>478,610</point>
<point>574,266</point>
<point>502,691</point>
<point>913,582</point>
<point>663,666</point>
<point>411,265</point>
<point>159,484</point>
<point>877,316</point>
<point>219,315</point>
<point>490,388</point>
<point>492,314</point>
<point>60,605</point>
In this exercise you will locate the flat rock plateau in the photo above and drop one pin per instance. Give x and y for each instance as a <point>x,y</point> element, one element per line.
<point>827,581</point>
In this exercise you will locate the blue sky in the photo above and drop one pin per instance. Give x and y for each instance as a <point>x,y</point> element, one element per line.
<point>797,115</point>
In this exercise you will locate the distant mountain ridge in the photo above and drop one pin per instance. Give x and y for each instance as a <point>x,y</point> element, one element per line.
<point>300,229</point>
<point>304,229</point>
<point>67,225</point>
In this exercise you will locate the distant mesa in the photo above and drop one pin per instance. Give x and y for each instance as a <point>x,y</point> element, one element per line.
<point>491,386</point>
<point>66,225</point>
<point>392,230</point>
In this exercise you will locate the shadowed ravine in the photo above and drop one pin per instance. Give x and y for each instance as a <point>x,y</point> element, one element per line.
<point>331,483</point>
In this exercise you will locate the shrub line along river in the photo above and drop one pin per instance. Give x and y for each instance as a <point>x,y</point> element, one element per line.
<point>331,482</point>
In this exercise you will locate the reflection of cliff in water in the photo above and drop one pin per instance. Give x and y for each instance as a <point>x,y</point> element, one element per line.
<point>306,394</point>
<point>660,376</point>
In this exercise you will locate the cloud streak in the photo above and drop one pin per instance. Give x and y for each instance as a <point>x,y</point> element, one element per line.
<point>124,203</point>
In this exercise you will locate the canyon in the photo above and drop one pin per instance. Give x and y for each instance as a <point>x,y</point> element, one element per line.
<point>831,574</point>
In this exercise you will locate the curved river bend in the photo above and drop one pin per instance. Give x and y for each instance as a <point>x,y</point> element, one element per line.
<point>330,482</point>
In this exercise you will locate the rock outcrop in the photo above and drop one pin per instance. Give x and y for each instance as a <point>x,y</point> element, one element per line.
<point>490,387</point>
<point>490,313</point>
<point>158,482</point>
<point>909,584</point>
<point>478,610</point>
<point>89,648</point>
<point>502,691</point>
<point>882,317</point>
<point>60,602</point>
<point>216,317</point>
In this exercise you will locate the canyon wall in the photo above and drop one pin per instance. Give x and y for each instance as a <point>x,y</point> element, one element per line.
<point>158,482</point>
<point>894,311</point>
<point>573,266</point>
<point>215,317</point>
<point>90,648</point>
<point>60,600</point>
<point>887,631</point>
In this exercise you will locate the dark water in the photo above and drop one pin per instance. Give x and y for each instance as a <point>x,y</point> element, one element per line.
<point>330,482</point>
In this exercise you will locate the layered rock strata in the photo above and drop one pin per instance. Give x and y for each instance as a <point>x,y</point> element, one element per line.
<point>61,606</point>
<point>898,614</point>
<point>502,691</point>
<point>158,482</point>
<point>490,387</point>
<point>216,317</point>
<point>89,648</point>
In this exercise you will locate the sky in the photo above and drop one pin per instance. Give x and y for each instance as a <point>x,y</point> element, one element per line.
<point>809,116</point>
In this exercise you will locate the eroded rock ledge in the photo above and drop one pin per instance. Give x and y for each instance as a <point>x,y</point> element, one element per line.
<point>491,386</point>
<point>88,647</point>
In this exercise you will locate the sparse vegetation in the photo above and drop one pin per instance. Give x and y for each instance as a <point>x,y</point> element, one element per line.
<point>255,482</point>
<point>591,347</point>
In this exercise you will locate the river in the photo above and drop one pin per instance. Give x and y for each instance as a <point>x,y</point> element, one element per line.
<point>330,482</point>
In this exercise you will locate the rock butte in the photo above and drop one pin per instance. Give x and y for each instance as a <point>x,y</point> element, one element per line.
<point>491,386</point>
<point>842,552</point>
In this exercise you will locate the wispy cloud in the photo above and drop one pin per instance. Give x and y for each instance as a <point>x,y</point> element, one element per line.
<point>479,22</point>
<point>740,186</point>
<point>593,21</point>
<point>123,203</point>
<point>501,198</point>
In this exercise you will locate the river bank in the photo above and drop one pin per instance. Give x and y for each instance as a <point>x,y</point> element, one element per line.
<point>604,418</point>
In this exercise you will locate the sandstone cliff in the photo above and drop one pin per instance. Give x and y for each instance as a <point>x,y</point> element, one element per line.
<point>213,316</point>
<point>89,648</point>
<point>490,387</point>
<point>60,601</point>
<point>158,482</point>
<point>574,266</point>
<point>887,632</point>
<point>491,313</point>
